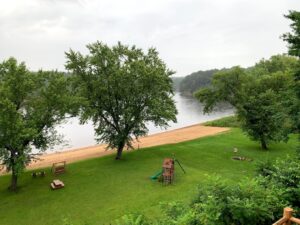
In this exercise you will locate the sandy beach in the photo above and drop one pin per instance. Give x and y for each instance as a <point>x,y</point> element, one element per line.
<point>167,137</point>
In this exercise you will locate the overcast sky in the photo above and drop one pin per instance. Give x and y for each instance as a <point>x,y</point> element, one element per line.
<point>190,35</point>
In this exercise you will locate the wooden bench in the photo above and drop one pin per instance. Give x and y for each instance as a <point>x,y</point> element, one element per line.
<point>59,168</point>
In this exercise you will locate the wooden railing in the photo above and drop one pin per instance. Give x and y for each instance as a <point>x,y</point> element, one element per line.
<point>287,218</point>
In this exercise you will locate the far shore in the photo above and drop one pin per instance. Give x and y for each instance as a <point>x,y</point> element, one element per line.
<point>167,137</point>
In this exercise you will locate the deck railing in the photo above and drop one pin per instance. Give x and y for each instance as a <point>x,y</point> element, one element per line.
<point>287,218</point>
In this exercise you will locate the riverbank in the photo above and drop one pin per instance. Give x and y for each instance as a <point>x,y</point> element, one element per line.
<point>168,137</point>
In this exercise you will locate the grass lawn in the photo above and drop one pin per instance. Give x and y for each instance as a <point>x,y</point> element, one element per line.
<point>228,121</point>
<point>101,190</point>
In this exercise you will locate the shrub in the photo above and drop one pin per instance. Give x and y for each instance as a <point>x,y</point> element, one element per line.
<point>218,203</point>
<point>285,174</point>
<point>264,168</point>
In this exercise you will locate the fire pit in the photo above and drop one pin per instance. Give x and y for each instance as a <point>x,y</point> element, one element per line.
<point>241,158</point>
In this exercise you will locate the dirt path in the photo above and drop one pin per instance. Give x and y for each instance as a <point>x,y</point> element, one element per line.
<point>168,137</point>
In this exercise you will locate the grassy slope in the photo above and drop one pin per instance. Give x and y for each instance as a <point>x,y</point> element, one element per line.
<point>228,121</point>
<point>100,190</point>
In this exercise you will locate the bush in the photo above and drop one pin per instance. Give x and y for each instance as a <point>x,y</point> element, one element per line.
<point>264,168</point>
<point>218,203</point>
<point>285,174</point>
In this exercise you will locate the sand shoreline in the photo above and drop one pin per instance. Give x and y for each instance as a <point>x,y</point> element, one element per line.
<point>167,137</point>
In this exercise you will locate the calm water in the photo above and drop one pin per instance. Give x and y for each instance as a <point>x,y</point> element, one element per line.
<point>189,113</point>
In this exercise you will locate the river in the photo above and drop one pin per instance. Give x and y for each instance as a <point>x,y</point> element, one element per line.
<point>189,113</point>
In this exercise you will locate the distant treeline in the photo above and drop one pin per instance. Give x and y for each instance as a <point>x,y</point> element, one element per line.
<point>191,83</point>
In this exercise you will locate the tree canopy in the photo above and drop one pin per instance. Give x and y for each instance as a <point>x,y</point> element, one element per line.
<point>194,81</point>
<point>293,40</point>
<point>262,96</point>
<point>293,37</point>
<point>31,104</point>
<point>123,89</point>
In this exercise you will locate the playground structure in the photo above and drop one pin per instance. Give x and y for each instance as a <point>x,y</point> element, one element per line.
<point>166,174</point>
<point>168,171</point>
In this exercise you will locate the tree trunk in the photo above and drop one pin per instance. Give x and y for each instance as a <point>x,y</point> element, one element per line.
<point>14,173</point>
<point>14,181</point>
<point>120,150</point>
<point>263,144</point>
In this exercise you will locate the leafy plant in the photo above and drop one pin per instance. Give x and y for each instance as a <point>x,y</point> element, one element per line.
<point>218,203</point>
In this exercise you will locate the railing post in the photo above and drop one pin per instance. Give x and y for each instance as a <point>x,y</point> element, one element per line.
<point>287,213</point>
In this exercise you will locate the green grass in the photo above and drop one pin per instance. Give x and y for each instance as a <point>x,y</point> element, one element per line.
<point>228,121</point>
<point>101,190</point>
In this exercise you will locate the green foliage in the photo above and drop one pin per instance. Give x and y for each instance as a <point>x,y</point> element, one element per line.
<point>122,88</point>
<point>226,87</point>
<point>293,38</point>
<point>196,80</point>
<point>264,168</point>
<point>218,203</point>
<point>228,121</point>
<point>264,118</point>
<point>285,174</point>
<point>31,104</point>
<point>276,63</point>
<point>263,97</point>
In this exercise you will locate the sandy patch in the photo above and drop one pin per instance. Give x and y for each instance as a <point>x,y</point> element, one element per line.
<point>168,137</point>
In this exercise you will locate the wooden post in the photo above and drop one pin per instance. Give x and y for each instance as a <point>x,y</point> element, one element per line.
<point>287,213</point>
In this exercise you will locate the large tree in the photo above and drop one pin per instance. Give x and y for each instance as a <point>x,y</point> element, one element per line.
<point>261,95</point>
<point>122,89</point>
<point>31,104</point>
<point>293,40</point>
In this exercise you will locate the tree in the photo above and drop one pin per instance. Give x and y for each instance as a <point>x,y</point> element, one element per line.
<point>293,40</point>
<point>194,81</point>
<point>31,104</point>
<point>261,95</point>
<point>263,114</point>
<point>122,89</point>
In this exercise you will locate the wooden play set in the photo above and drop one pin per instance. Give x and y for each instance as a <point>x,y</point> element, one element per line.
<point>168,171</point>
<point>166,175</point>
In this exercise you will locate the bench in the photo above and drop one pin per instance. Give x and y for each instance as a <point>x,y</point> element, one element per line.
<point>59,168</point>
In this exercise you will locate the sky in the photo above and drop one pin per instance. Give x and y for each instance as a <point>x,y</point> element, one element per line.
<point>190,35</point>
